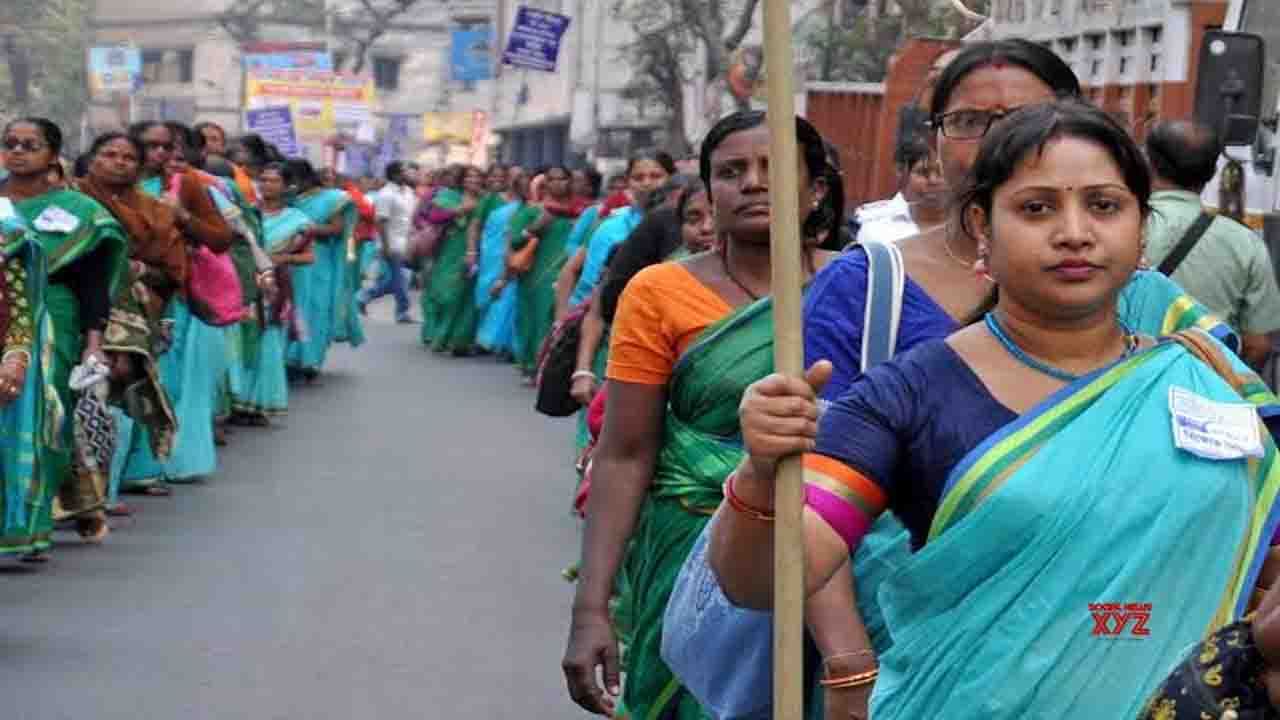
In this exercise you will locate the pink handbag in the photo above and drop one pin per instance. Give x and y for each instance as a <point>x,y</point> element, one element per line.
<point>213,286</point>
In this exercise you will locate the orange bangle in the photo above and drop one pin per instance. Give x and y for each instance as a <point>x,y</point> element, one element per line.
<point>739,505</point>
<point>851,681</point>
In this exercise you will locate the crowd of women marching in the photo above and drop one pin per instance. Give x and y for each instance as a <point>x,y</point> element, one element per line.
<point>166,286</point>
<point>1013,433</point>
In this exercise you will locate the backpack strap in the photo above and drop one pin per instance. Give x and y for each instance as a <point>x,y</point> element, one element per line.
<point>886,281</point>
<point>1185,245</point>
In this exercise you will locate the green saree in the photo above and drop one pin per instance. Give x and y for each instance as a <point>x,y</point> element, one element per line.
<point>63,246</point>
<point>449,311</point>
<point>537,293</point>
<point>701,445</point>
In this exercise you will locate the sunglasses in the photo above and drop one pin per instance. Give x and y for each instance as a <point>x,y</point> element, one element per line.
<point>28,146</point>
<point>166,146</point>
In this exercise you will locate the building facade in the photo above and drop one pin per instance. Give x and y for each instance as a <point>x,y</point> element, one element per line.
<point>1135,58</point>
<point>192,66</point>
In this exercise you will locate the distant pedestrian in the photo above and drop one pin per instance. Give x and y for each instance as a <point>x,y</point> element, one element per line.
<point>395,204</point>
<point>1218,261</point>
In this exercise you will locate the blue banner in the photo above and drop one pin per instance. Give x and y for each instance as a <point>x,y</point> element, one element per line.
<point>535,39</point>
<point>275,125</point>
<point>471,55</point>
<point>393,141</point>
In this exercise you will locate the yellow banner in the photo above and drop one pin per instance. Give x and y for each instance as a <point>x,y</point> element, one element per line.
<point>323,103</point>
<point>453,127</point>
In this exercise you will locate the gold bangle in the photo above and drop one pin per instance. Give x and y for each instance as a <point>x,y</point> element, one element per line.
<point>851,681</point>
<point>826,670</point>
<point>743,507</point>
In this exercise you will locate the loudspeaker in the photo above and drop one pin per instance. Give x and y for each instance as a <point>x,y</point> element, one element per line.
<point>1229,84</point>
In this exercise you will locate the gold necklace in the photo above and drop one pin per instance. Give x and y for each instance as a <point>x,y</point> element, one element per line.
<point>946,245</point>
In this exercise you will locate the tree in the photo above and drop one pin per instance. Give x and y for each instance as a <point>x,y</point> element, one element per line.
<point>859,49</point>
<point>669,37</point>
<point>357,24</point>
<point>42,60</point>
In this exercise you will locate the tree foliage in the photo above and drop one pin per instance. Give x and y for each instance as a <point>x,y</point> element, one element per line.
<point>675,41</point>
<point>859,49</point>
<point>42,60</point>
<point>357,24</point>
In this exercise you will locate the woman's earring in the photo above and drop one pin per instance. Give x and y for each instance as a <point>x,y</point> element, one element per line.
<point>982,265</point>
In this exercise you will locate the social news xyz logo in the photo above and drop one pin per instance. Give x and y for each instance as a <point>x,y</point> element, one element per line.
<point>1120,619</point>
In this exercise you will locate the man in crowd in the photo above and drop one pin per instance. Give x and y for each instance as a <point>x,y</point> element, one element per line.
<point>395,204</point>
<point>1218,261</point>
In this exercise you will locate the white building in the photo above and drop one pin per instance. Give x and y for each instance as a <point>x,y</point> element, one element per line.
<point>1136,58</point>
<point>192,66</point>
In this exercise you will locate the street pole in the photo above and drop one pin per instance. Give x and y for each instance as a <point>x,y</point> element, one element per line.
<point>788,358</point>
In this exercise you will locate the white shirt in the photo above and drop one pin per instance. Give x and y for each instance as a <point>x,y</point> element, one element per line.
<point>395,205</point>
<point>886,220</point>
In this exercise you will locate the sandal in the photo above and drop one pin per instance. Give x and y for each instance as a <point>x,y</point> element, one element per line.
<point>93,529</point>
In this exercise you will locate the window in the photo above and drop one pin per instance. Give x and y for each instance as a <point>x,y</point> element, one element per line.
<point>1155,35</point>
<point>1125,38</point>
<point>1095,42</point>
<point>1124,65</point>
<point>1068,46</point>
<point>386,73</point>
<point>1095,69</point>
<point>168,66</point>
<point>1155,63</point>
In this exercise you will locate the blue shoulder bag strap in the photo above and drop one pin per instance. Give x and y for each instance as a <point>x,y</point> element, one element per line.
<point>886,280</point>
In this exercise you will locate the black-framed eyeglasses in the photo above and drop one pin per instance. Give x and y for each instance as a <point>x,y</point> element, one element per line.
<point>27,146</point>
<point>967,124</point>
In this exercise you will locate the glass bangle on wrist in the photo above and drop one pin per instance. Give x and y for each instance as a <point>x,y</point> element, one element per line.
<point>741,506</point>
<point>582,374</point>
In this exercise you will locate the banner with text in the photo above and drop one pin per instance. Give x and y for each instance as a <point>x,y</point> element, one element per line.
<point>321,103</point>
<point>275,125</point>
<point>535,38</point>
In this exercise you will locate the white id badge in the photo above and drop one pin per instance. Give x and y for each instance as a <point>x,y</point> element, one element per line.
<point>1214,430</point>
<point>56,220</point>
<point>6,208</point>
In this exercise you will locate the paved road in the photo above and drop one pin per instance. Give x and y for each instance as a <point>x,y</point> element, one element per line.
<point>391,551</point>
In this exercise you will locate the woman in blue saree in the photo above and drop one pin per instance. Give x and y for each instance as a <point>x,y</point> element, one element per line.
<point>496,329</point>
<point>1067,462</point>
<point>196,360</point>
<point>323,291</point>
<point>284,235</point>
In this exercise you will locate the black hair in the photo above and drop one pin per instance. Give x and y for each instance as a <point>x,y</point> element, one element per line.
<point>301,173</point>
<point>663,159</point>
<point>686,197</point>
<point>1032,57</point>
<point>81,167</point>
<point>395,172</point>
<point>594,179</point>
<point>678,183</point>
<point>220,167</point>
<point>183,136</point>
<point>1008,144</point>
<point>277,167</point>
<point>140,128</point>
<point>1184,152</point>
<point>911,141</point>
<point>109,137</point>
<point>200,128</point>
<point>257,148</point>
<point>829,214</point>
<point>49,130</point>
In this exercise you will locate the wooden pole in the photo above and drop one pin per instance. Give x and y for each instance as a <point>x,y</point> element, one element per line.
<point>788,354</point>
